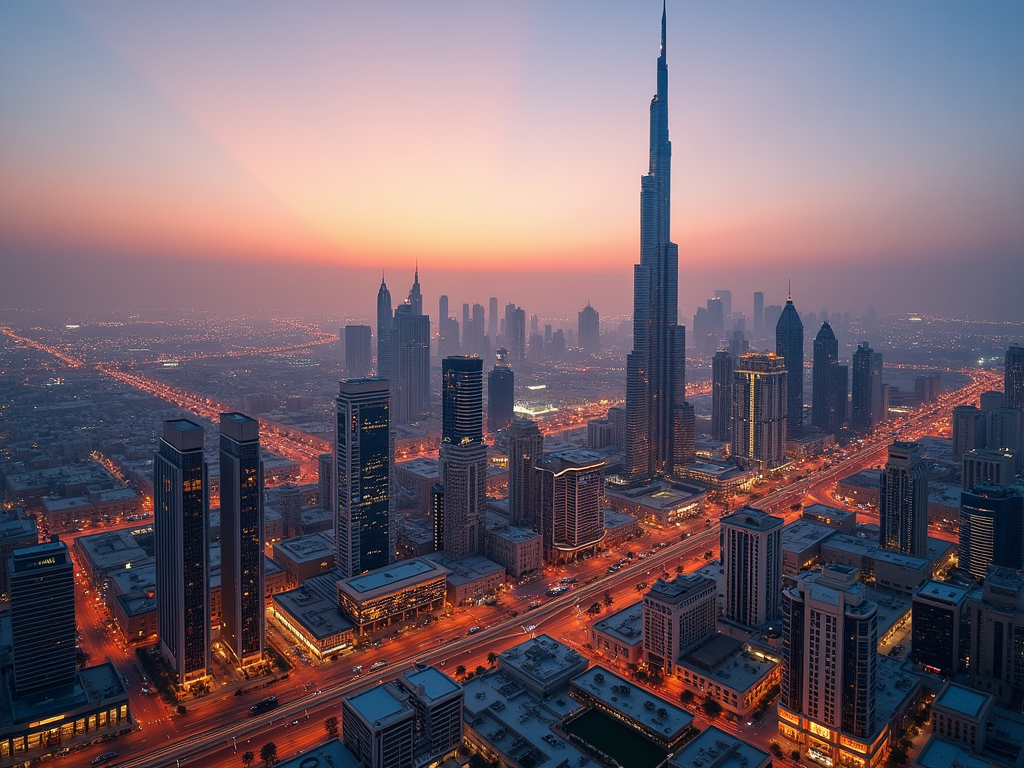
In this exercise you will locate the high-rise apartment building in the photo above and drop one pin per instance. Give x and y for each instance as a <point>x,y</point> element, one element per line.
<point>525,450</point>
<point>841,383</point>
<point>758,315</point>
<point>492,319</point>
<point>411,389</point>
<point>865,384</point>
<point>42,584</point>
<point>500,393</point>
<point>324,482</point>
<point>571,489</point>
<point>789,345</point>
<point>987,467</point>
<point>970,429</point>
<point>364,536</point>
<point>903,500</point>
<point>938,626</point>
<point>655,369</point>
<point>679,617</point>
<point>1013,378</point>
<point>181,528</point>
<point>723,367</point>
<point>589,330</point>
<point>515,333</point>
<point>830,652</point>
<point>358,354</point>
<point>759,411</point>
<point>1005,429</point>
<point>996,619</point>
<point>991,529</point>
<point>241,538</point>
<point>463,455</point>
<point>824,395</point>
<point>387,336</point>
<point>751,549</point>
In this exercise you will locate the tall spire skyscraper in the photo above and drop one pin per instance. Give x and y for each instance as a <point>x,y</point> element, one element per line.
<point>655,369</point>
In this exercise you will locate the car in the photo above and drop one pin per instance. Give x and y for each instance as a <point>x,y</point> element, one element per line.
<point>474,630</point>
<point>357,669</point>
<point>104,758</point>
<point>378,665</point>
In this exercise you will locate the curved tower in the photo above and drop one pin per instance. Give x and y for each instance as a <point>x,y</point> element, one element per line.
<point>655,369</point>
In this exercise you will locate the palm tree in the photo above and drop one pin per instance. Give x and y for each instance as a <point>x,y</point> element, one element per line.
<point>268,753</point>
<point>460,670</point>
<point>608,598</point>
<point>492,658</point>
<point>247,758</point>
<point>331,725</point>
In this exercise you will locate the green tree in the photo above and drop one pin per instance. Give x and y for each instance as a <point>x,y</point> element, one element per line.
<point>268,753</point>
<point>331,725</point>
<point>247,758</point>
<point>711,707</point>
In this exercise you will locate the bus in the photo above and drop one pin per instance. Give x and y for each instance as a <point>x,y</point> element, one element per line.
<point>264,705</point>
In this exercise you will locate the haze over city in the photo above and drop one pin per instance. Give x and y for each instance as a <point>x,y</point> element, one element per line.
<point>870,152</point>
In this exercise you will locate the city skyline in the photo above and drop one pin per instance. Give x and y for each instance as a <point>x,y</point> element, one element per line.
<point>807,140</point>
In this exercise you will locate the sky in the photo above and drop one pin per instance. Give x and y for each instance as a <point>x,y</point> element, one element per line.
<point>190,154</point>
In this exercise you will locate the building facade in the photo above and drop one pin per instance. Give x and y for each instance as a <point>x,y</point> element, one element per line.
<point>358,354</point>
<point>181,522</point>
<point>824,394</point>
<point>463,455</point>
<point>991,529</point>
<point>903,500</point>
<point>500,393</point>
<point>789,345</point>
<point>679,616</point>
<point>760,403</point>
<point>571,498</point>
<point>364,536</point>
<point>723,366</point>
<point>241,538</point>
<point>751,547</point>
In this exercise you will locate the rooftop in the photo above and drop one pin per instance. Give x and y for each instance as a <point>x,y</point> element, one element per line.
<point>802,534</point>
<point>466,570</point>
<point>626,624</point>
<point>378,704</point>
<point>333,754</point>
<point>753,519</point>
<point>943,591</point>
<point>730,663</point>
<point>301,549</point>
<point>436,684</point>
<point>866,478</point>
<point>401,574</point>
<point>541,658</point>
<point>635,702</point>
<point>826,512</point>
<point>962,700</point>
<point>715,748</point>
<point>319,616</point>
<point>681,587</point>
<point>869,548</point>
<point>428,468</point>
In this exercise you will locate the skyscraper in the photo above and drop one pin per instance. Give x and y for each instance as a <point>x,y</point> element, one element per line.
<point>358,357</point>
<point>758,315</point>
<point>722,371</point>
<point>571,485</point>
<point>500,393</point>
<point>841,377</point>
<point>759,411</point>
<point>726,298</point>
<point>411,389</point>
<point>751,548</point>
<point>42,614</point>
<point>864,385</point>
<point>789,345</point>
<point>824,397</point>
<point>463,455</point>
<point>364,536</point>
<point>241,537</point>
<point>492,319</point>
<point>655,369</point>
<point>829,669</point>
<point>515,333</point>
<point>991,529</point>
<point>589,329</point>
<point>969,429</point>
<point>1013,379</point>
<point>181,525</point>
<point>387,338</point>
<point>903,501</point>
<point>525,449</point>
<point>678,616</point>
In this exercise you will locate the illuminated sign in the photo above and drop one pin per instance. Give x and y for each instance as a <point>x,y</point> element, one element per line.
<point>789,716</point>
<point>820,730</point>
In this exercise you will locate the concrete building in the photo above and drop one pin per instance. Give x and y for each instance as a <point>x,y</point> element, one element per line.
<point>679,616</point>
<point>939,626</point>
<point>314,620</point>
<point>571,485</point>
<point>417,477</point>
<point>801,545</point>
<point>16,531</point>
<point>840,519</point>
<point>304,557</point>
<point>517,550</point>
<point>181,526</point>
<point>378,726</point>
<point>969,731</point>
<point>395,593</point>
<point>715,748</point>
<point>991,529</point>
<point>903,573</point>
<point>620,635</point>
<point>759,415</point>
<point>736,675</point>
<point>985,466</point>
<point>660,503</point>
<point>525,449</point>
<point>469,579</point>
<point>542,665</point>
<point>751,546</point>
<point>903,500</point>
<point>996,620</point>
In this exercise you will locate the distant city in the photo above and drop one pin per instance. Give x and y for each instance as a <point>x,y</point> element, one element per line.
<point>761,534</point>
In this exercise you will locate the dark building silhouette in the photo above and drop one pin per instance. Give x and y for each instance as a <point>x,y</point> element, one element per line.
<point>243,605</point>
<point>1013,379</point>
<point>723,366</point>
<point>758,314</point>
<point>655,369</point>
<point>358,354</point>
<point>364,536</point>
<point>903,500</point>
<point>589,329</point>
<point>42,579</point>
<point>387,336</point>
<point>939,628</point>
<point>824,395</point>
<point>500,393</point>
<point>463,455</point>
<point>864,385</point>
<point>991,529</point>
<point>841,376</point>
<point>181,528</point>
<point>789,345</point>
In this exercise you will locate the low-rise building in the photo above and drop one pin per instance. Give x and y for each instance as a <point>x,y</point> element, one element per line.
<point>894,570</point>
<point>715,748</point>
<point>661,721</point>
<point>16,531</point>
<point>417,476</point>
<point>314,620</point>
<point>394,593</point>
<point>101,554</point>
<point>316,520</point>
<point>660,503</point>
<point>969,731</point>
<point>542,664</point>
<point>620,635</point>
<point>736,675</point>
<point>719,475</point>
<point>516,549</point>
<point>97,505</point>
<point>843,520</point>
<point>861,487</point>
<point>801,545</point>
<point>304,557</point>
<point>469,578</point>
